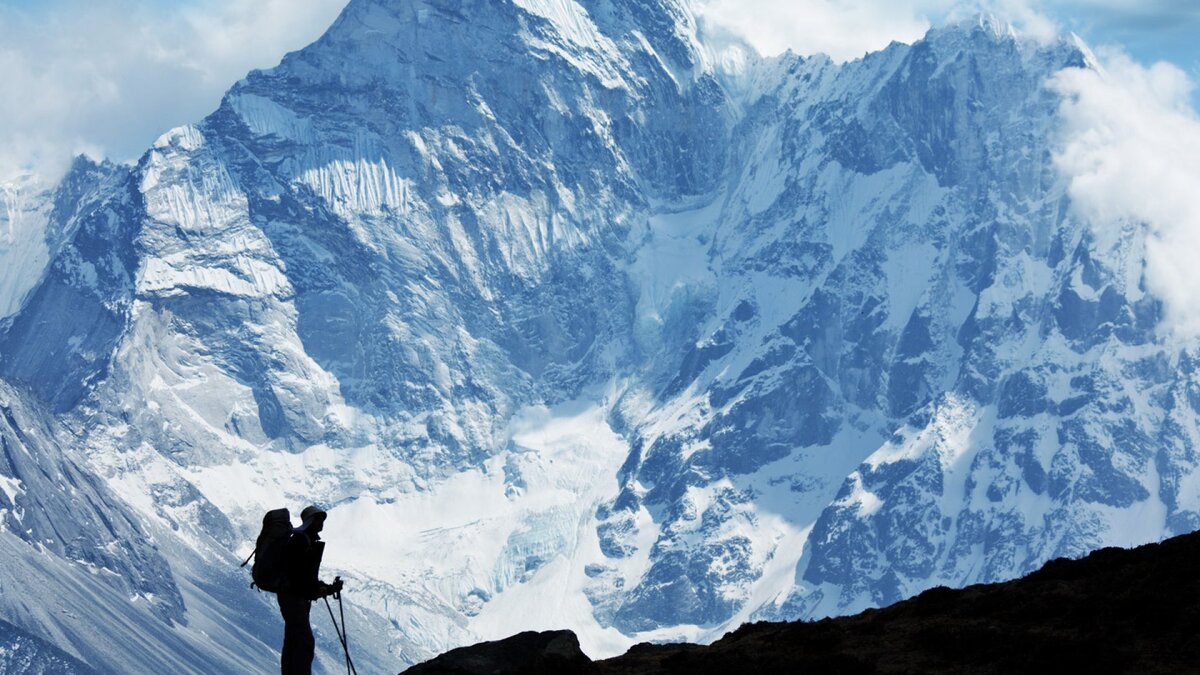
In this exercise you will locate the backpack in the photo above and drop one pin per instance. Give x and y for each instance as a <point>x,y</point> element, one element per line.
<point>270,570</point>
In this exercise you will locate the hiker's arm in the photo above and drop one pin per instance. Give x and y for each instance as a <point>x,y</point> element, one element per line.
<point>324,589</point>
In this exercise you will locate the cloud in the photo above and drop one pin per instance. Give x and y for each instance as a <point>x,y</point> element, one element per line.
<point>1131,151</point>
<point>1151,13</point>
<point>847,29</point>
<point>108,78</point>
<point>843,29</point>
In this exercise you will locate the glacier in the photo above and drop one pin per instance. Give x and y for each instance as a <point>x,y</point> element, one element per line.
<point>571,322</point>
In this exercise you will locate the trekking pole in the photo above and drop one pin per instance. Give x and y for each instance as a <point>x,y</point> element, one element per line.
<point>338,630</point>
<point>350,669</point>
<point>345,632</point>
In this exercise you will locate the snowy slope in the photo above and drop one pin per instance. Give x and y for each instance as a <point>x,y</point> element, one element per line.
<point>82,573</point>
<point>570,326</point>
<point>23,252</point>
<point>23,653</point>
<point>35,221</point>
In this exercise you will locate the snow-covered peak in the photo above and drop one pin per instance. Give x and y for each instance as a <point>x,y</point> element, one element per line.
<point>992,24</point>
<point>1089,57</point>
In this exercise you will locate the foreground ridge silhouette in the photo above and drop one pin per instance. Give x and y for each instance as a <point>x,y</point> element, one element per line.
<point>1114,611</point>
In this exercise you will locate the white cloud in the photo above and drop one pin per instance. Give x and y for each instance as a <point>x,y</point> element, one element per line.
<point>843,29</point>
<point>107,78</point>
<point>847,29</point>
<point>1131,150</point>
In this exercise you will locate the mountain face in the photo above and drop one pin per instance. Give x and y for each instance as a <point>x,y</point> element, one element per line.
<point>570,325</point>
<point>23,653</point>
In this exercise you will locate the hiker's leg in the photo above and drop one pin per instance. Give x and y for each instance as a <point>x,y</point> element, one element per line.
<point>298,643</point>
<point>309,644</point>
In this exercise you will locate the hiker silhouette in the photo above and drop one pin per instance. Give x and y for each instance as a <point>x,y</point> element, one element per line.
<point>301,564</point>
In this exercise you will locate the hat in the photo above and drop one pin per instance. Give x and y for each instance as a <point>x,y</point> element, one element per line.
<point>312,513</point>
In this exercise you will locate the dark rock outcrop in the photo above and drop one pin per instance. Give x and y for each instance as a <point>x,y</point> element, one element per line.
<point>1115,611</point>
<point>528,653</point>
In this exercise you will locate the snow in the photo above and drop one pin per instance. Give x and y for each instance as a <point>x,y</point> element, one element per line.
<point>586,47</point>
<point>265,117</point>
<point>11,488</point>
<point>768,175</point>
<point>475,530</point>
<point>909,269</point>
<point>1189,492</point>
<point>672,264</point>
<point>24,207</point>
<point>249,278</point>
<point>359,186</point>
<point>392,356</point>
<point>778,578</point>
<point>867,503</point>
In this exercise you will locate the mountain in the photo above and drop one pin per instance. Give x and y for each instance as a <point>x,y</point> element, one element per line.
<point>570,321</point>
<point>23,653</point>
<point>1115,610</point>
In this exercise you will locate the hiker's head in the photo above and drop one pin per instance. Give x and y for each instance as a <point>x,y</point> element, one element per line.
<point>313,519</point>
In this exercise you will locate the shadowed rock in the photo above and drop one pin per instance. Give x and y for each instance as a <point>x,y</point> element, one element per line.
<point>1115,611</point>
<point>548,653</point>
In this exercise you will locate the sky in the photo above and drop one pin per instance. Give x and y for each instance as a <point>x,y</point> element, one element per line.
<point>107,77</point>
<point>1150,30</point>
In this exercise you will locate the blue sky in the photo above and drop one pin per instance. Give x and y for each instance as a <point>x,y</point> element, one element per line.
<point>1150,30</point>
<point>108,76</point>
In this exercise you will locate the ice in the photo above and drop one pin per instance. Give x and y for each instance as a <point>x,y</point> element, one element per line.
<point>11,487</point>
